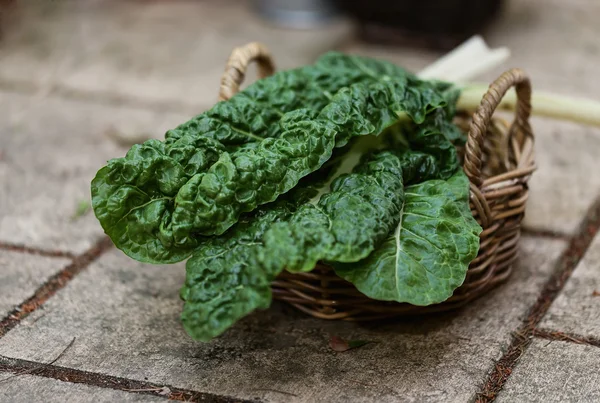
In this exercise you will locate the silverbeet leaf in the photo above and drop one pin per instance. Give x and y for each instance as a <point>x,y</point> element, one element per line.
<point>355,213</point>
<point>426,257</point>
<point>359,209</point>
<point>225,279</point>
<point>159,202</point>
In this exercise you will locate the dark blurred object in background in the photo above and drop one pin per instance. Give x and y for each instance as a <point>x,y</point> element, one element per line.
<point>6,8</point>
<point>440,24</point>
<point>297,14</point>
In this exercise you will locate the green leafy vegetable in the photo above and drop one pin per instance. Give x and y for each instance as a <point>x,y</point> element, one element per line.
<point>350,161</point>
<point>224,279</point>
<point>349,217</point>
<point>347,222</point>
<point>425,258</point>
<point>156,202</point>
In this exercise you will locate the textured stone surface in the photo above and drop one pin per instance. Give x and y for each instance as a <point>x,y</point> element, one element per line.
<point>577,308</point>
<point>135,309</point>
<point>50,151</point>
<point>556,43</point>
<point>171,51</point>
<point>21,274</point>
<point>29,388</point>
<point>169,56</point>
<point>555,372</point>
<point>562,189</point>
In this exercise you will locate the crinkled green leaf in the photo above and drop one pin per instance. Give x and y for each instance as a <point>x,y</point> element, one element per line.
<point>426,257</point>
<point>163,197</point>
<point>133,197</point>
<point>362,206</point>
<point>225,279</point>
<point>346,223</point>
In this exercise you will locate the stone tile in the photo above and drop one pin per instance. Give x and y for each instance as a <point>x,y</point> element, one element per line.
<point>554,41</point>
<point>555,372</point>
<point>22,274</point>
<point>50,151</point>
<point>557,46</point>
<point>125,317</point>
<point>577,308</point>
<point>30,388</point>
<point>562,189</point>
<point>167,51</point>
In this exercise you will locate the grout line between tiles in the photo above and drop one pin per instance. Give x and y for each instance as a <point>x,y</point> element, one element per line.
<point>35,251</point>
<point>100,97</point>
<point>544,233</point>
<point>521,338</point>
<point>22,367</point>
<point>562,336</point>
<point>52,285</point>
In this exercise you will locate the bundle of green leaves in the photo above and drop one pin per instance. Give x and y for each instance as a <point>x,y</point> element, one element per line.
<point>350,161</point>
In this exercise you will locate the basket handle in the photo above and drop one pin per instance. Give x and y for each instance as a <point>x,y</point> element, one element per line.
<point>235,70</point>
<point>520,129</point>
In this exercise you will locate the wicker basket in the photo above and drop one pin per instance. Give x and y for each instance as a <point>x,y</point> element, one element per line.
<point>498,160</point>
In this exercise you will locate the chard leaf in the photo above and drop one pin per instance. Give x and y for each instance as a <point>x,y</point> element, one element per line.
<point>224,280</point>
<point>354,215</point>
<point>426,257</point>
<point>160,200</point>
<point>362,202</point>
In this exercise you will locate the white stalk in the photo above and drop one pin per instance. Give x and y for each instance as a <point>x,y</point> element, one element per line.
<point>474,57</point>
<point>578,110</point>
<point>466,62</point>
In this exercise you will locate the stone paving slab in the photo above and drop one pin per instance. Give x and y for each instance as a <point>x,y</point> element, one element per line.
<point>124,316</point>
<point>577,308</point>
<point>30,388</point>
<point>555,372</point>
<point>557,45</point>
<point>21,274</point>
<point>156,51</point>
<point>50,151</point>
<point>563,188</point>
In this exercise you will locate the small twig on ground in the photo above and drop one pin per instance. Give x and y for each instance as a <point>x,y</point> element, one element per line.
<point>560,336</point>
<point>276,391</point>
<point>36,319</point>
<point>340,345</point>
<point>362,383</point>
<point>32,370</point>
